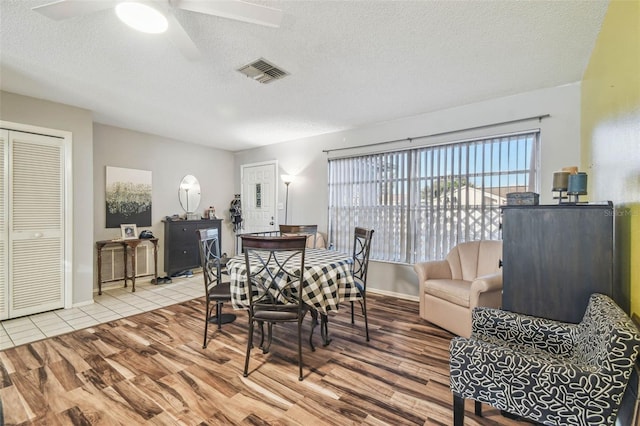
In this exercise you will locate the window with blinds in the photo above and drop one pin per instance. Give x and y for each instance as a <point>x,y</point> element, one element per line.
<point>421,202</point>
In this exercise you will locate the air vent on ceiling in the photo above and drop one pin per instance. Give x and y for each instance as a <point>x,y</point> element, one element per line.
<point>263,71</point>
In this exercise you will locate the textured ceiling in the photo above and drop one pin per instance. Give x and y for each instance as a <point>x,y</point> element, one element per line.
<point>352,63</point>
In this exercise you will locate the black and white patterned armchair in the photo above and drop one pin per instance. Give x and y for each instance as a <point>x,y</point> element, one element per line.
<point>547,371</point>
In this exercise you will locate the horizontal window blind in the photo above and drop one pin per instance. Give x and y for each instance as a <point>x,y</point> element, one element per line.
<point>421,202</point>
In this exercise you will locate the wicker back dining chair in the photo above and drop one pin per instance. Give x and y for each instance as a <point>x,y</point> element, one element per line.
<point>275,268</point>
<point>217,292</point>
<point>310,230</point>
<point>361,250</point>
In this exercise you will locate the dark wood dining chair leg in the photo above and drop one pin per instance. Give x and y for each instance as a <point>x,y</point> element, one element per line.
<point>478,408</point>
<point>249,346</point>
<point>219,314</point>
<point>206,325</point>
<point>458,410</point>
<point>363,305</point>
<point>300,348</point>
<point>364,313</point>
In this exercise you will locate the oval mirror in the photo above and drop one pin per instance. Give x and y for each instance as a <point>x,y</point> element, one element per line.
<point>189,193</point>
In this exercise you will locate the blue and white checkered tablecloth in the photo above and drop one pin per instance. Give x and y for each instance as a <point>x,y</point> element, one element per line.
<point>326,282</point>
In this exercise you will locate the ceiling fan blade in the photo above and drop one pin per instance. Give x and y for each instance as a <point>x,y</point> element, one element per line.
<point>181,39</point>
<point>233,9</point>
<point>64,9</point>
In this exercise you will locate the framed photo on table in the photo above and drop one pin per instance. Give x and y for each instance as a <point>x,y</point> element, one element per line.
<point>129,231</point>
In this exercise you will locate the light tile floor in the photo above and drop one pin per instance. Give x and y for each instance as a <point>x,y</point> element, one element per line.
<point>114,303</point>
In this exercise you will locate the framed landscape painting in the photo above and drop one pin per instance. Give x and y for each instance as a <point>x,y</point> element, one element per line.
<point>128,197</point>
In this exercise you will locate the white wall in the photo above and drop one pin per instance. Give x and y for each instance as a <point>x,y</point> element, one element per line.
<point>95,147</point>
<point>37,112</point>
<point>560,146</point>
<point>169,161</point>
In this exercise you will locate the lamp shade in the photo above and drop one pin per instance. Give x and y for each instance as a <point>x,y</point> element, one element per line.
<point>287,179</point>
<point>560,181</point>
<point>578,184</point>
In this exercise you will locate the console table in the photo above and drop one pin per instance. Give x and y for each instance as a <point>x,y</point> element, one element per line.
<point>129,246</point>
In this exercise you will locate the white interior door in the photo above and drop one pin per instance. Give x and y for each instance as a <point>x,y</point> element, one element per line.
<point>36,243</point>
<point>259,196</point>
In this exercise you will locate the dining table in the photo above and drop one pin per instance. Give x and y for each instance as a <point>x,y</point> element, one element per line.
<point>327,281</point>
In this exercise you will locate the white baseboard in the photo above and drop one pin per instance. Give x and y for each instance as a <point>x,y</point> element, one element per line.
<point>393,294</point>
<point>85,303</point>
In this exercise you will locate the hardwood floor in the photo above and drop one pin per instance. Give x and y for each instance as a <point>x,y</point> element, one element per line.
<point>151,369</point>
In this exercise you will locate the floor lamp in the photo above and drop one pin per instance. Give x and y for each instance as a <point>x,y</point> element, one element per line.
<point>287,179</point>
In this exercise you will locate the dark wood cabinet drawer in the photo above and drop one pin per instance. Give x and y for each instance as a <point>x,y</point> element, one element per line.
<point>181,250</point>
<point>184,257</point>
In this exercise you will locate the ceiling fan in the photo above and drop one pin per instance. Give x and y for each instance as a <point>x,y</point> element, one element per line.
<point>231,9</point>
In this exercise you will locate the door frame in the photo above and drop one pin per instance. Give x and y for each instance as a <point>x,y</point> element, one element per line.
<point>67,143</point>
<point>275,184</point>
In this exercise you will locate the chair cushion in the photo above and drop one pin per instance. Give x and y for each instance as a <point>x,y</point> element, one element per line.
<point>538,351</point>
<point>220,292</point>
<point>268,315</point>
<point>454,291</point>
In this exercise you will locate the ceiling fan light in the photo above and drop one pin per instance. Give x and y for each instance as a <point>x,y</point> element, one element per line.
<point>142,17</point>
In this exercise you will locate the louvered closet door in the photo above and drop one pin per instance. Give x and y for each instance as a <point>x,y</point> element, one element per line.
<point>36,223</point>
<point>4,182</point>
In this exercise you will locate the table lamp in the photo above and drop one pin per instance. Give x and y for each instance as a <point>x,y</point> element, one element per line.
<point>577,186</point>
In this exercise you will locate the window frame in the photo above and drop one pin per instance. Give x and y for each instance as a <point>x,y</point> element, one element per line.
<point>387,191</point>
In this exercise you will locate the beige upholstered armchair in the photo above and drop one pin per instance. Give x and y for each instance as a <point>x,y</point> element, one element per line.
<point>469,276</point>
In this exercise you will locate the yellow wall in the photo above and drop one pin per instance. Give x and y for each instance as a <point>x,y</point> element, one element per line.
<point>610,133</point>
